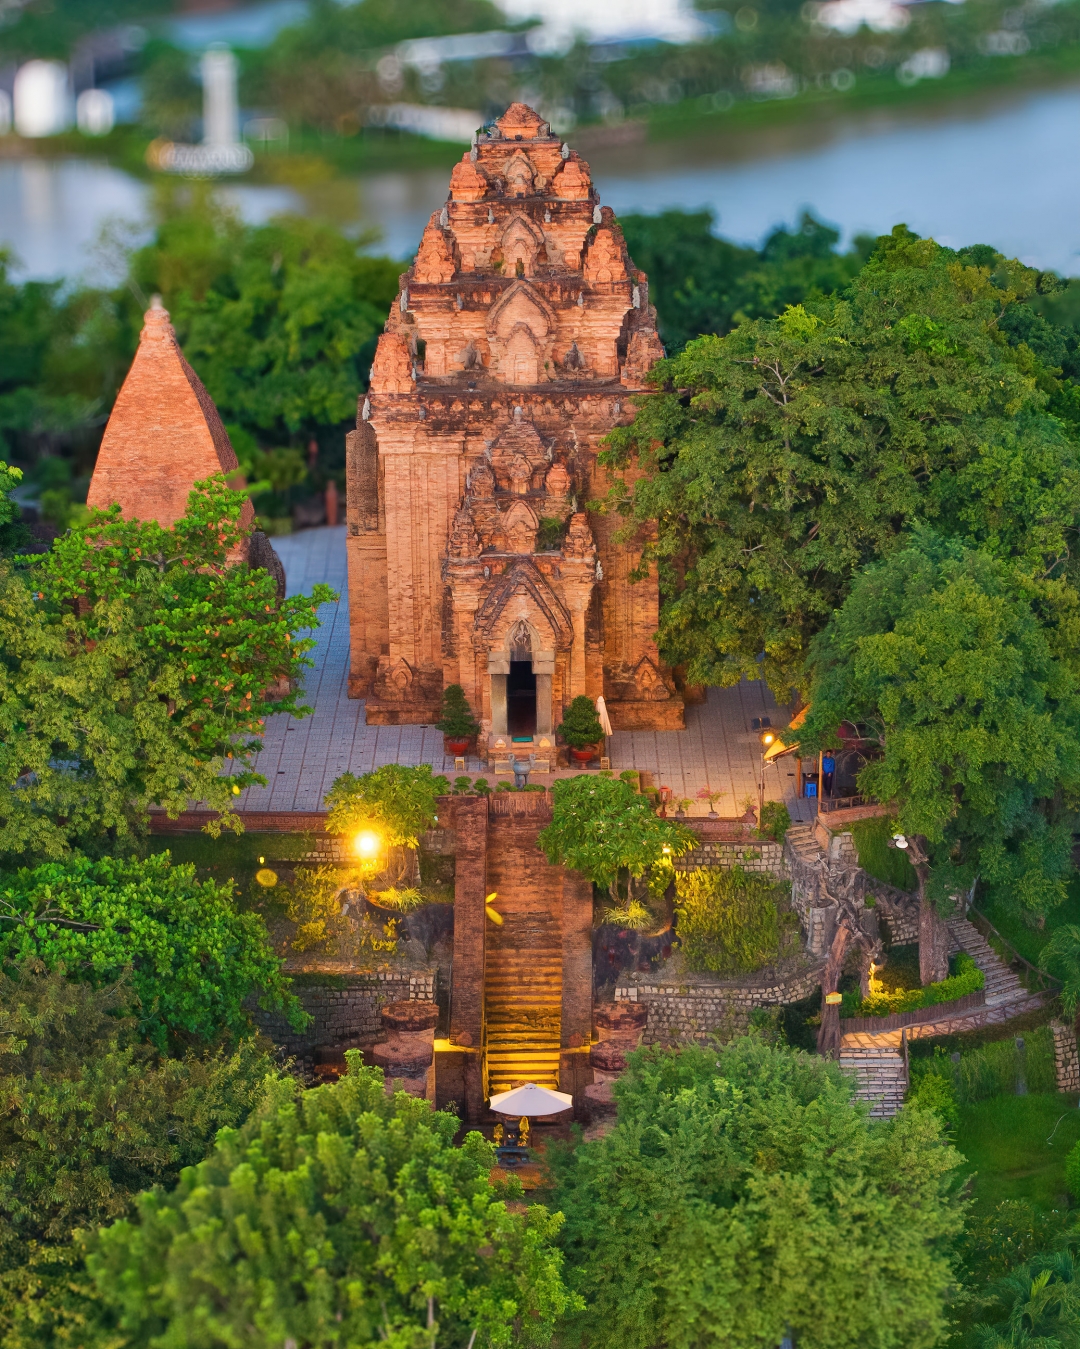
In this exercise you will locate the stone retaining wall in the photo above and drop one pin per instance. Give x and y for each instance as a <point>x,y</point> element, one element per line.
<point>758,858</point>
<point>345,1010</point>
<point>696,1010</point>
<point>1066,1057</point>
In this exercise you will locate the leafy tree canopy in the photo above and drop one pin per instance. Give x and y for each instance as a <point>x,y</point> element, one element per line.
<point>610,833</point>
<point>965,674</point>
<point>338,1216</point>
<point>704,284</point>
<point>91,1115</point>
<point>134,661</point>
<point>396,801</point>
<point>741,1197</point>
<point>781,458</point>
<point>280,320</point>
<point>194,960</point>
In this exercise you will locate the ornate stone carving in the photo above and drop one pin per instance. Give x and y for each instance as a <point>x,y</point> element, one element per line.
<point>648,683</point>
<point>464,540</point>
<point>643,351</point>
<point>519,528</point>
<point>467,183</point>
<point>392,367</point>
<point>579,541</point>
<point>519,174</point>
<point>604,261</point>
<point>572,182</point>
<point>434,262</point>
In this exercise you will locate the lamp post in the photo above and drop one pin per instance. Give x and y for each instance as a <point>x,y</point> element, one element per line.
<point>767,738</point>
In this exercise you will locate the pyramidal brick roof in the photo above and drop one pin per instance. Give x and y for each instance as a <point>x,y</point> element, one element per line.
<point>164,433</point>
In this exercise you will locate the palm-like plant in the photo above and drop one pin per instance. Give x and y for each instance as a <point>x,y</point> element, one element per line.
<point>1061,957</point>
<point>1043,1300</point>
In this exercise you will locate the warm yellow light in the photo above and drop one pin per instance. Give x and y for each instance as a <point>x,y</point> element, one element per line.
<point>833,998</point>
<point>266,877</point>
<point>366,844</point>
<point>666,850</point>
<point>767,738</point>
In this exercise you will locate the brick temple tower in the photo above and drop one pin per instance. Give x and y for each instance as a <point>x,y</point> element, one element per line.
<point>518,333</point>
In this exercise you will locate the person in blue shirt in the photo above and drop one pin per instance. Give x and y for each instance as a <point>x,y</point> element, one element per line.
<point>828,768</point>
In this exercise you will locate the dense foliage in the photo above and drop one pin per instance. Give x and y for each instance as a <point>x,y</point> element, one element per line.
<point>966,978</point>
<point>135,661</point>
<point>963,670</point>
<point>704,284</point>
<point>610,833</point>
<point>337,1216</point>
<point>456,717</point>
<point>730,922</point>
<point>890,865</point>
<point>741,1198</point>
<point>194,960</point>
<point>397,802</point>
<point>90,1116</point>
<point>781,458</point>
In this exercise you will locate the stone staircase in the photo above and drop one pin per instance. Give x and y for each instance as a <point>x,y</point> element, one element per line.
<point>880,1075</point>
<point>523,968</point>
<point>1005,994</point>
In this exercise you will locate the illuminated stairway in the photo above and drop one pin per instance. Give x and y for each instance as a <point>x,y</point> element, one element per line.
<point>523,994</point>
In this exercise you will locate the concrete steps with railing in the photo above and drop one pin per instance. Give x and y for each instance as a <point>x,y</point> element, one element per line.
<point>880,1075</point>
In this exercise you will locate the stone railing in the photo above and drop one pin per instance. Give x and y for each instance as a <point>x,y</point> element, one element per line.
<point>700,1005</point>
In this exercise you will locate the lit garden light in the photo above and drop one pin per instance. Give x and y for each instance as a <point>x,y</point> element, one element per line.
<point>767,738</point>
<point>367,845</point>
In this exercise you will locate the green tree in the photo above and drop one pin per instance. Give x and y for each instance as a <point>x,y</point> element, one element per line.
<point>91,1115</point>
<point>964,673</point>
<point>397,802</point>
<point>338,1216</point>
<point>781,458</point>
<point>279,320</point>
<point>701,284</point>
<point>194,960</point>
<point>135,661</point>
<point>610,833</point>
<point>1040,1302</point>
<point>741,1197</point>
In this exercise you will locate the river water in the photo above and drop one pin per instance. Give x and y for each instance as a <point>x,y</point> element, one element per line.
<point>993,170</point>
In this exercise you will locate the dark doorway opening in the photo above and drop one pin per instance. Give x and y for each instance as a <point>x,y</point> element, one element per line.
<point>521,698</point>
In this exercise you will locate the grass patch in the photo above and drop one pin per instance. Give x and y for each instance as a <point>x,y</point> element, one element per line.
<point>1029,941</point>
<point>1004,1139</point>
<point>877,859</point>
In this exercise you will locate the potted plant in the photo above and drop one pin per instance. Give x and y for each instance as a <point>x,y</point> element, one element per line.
<point>456,721</point>
<point>581,728</point>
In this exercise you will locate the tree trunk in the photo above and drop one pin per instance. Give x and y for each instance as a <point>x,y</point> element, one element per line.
<point>828,1040</point>
<point>933,940</point>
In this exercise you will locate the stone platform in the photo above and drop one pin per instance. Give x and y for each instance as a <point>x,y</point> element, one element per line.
<point>301,759</point>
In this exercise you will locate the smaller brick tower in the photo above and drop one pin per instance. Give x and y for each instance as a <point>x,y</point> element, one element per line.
<point>163,436</point>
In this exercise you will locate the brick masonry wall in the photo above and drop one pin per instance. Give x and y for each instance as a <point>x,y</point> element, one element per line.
<point>1066,1057</point>
<point>345,1011</point>
<point>758,858</point>
<point>695,1011</point>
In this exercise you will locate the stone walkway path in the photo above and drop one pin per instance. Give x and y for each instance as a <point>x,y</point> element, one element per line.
<point>301,759</point>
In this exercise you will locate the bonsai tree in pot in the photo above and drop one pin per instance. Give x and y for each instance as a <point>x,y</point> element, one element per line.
<point>456,720</point>
<point>581,729</point>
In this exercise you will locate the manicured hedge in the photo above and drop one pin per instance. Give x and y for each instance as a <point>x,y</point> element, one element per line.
<point>968,978</point>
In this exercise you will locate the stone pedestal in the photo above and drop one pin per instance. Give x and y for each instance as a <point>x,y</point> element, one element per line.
<point>407,1053</point>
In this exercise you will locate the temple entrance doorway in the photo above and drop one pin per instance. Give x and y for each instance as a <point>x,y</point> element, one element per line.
<point>521,699</point>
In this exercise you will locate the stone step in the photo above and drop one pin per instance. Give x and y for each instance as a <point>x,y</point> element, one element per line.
<point>880,1079</point>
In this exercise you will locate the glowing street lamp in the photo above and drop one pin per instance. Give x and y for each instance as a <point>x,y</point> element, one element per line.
<point>767,738</point>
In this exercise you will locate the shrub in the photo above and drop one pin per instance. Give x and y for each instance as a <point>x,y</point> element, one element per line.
<point>194,960</point>
<point>456,718</point>
<point>877,859</point>
<point>580,726</point>
<point>396,801</point>
<point>775,821</point>
<point>995,1069</point>
<point>730,922</point>
<point>933,1091</point>
<point>968,978</point>
<point>549,536</point>
<point>1072,1172</point>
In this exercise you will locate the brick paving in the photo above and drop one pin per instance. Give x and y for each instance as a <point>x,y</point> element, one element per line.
<point>302,758</point>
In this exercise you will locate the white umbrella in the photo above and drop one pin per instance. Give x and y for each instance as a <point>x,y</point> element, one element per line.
<point>531,1100</point>
<point>602,715</point>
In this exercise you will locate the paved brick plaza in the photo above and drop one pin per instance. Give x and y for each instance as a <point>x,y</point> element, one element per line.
<point>302,758</point>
